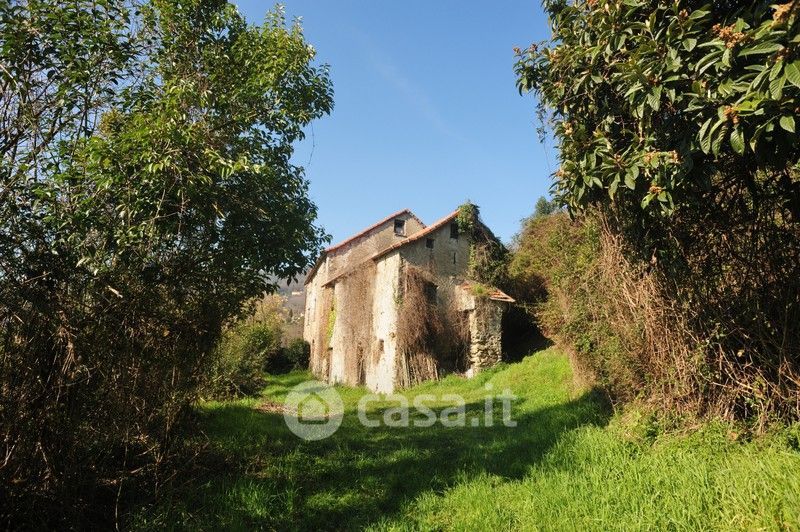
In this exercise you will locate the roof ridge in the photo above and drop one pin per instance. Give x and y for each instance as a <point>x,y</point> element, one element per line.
<point>416,236</point>
<point>371,228</point>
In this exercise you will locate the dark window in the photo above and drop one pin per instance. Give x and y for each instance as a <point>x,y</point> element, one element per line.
<point>380,346</point>
<point>454,231</point>
<point>454,257</point>
<point>400,227</point>
<point>430,293</point>
<point>429,243</point>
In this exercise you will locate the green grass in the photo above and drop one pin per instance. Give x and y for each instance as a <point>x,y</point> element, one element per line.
<point>567,465</point>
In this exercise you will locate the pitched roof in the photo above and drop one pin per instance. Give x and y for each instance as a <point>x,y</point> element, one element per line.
<point>412,238</point>
<point>495,294</point>
<point>371,228</point>
<point>332,249</point>
<point>418,235</point>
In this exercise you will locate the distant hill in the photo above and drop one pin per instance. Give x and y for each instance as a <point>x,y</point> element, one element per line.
<point>295,295</point>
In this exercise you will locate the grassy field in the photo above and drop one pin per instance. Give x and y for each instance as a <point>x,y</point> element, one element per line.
<point>568,464</point>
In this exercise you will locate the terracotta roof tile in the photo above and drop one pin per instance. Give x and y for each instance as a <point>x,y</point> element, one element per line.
<point>332,249</point>
<point>495,294</point>
<point>419,234</point>
<point>371,228</point>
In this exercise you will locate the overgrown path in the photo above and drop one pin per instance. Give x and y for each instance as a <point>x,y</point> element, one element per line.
<point>567,464</point>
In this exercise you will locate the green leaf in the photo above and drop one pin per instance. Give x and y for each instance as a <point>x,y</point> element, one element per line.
<point>757,135</point>
<point>737,140</point>
<point>776,87</point>
<point>760,49</point>
<point>726,57</point>
<point>787,123</point>
<point>707,142</point>
<point>630,181</point>
<point>689,44</point>
<point>716,144</point>
<point>612,189</point>
<point>776,70</point>
<point>696,15</point>
<point>654,98</point>
<point>792,72</point>
<point>701,137</point>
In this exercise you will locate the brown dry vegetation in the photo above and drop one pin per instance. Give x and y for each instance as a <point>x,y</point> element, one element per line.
<point>640,339</point>
<point>355,293</point>
<point>431,332</point>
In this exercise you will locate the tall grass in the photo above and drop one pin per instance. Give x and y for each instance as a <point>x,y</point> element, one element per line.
<point>569,464</point>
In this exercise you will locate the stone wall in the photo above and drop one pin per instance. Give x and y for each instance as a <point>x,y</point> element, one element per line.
<point>324,299</point>
<point>384,322</point>
<point>448,257</point>
<point>352,337</point>
<point>352,312</point>
<point>318,316</point>
<point>485,331</point>
<point>355,253</point>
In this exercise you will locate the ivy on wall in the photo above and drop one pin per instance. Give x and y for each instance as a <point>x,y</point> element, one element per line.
<point>488,257</point>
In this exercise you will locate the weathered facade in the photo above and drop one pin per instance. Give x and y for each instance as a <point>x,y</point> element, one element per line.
<point>391,306</point>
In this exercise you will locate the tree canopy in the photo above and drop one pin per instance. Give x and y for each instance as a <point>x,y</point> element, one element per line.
<point>650,98</point>
<point>676,125</point>
<point>146,193</point>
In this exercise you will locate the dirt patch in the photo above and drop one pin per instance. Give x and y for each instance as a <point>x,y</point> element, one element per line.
<point>270,407</point>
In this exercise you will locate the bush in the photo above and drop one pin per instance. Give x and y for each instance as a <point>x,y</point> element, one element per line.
<point>677,121</point>
<point>297,354</point>
<point>254,347</point>
<point>612,317</point>
<point>244,354</point>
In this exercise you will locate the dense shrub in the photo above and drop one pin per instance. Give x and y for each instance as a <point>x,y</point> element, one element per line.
<point>676,120</point>
<point>244,354</point>
<point>254,347</point>
<point>145,193</point>
<point>297,354</point>
<point>610,315</point>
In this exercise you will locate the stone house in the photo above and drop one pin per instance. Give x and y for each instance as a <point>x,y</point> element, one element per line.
<point>392,306</point>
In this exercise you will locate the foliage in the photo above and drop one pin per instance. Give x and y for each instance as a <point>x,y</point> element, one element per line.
<point>545,207</point>
<point>566,466</point>
<point>431,333</point>
<point>650,98</point>
<point>676,120</point>
<point>487,255</point>
<point>241,359</point>
<point>479,290</point>
<point>610,315</point>
<point>145,193</point>
<point>297,354</point>
<point>249,349</point>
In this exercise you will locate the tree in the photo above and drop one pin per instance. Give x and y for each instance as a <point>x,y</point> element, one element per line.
<point>544,207</point>
<point>651,98</point>
<point>676,121</point>
<point>146,193</point>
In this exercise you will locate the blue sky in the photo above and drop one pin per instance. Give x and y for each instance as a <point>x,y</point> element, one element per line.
<point>426,111</point>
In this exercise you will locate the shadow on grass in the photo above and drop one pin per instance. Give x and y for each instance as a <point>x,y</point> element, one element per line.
<point>275,480</point>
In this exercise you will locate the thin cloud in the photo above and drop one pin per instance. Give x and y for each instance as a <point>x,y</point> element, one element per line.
<point>413,94</point>
<point>410,91</point>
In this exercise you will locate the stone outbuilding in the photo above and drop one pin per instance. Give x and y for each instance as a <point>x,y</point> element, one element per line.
<point>393,306</point>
